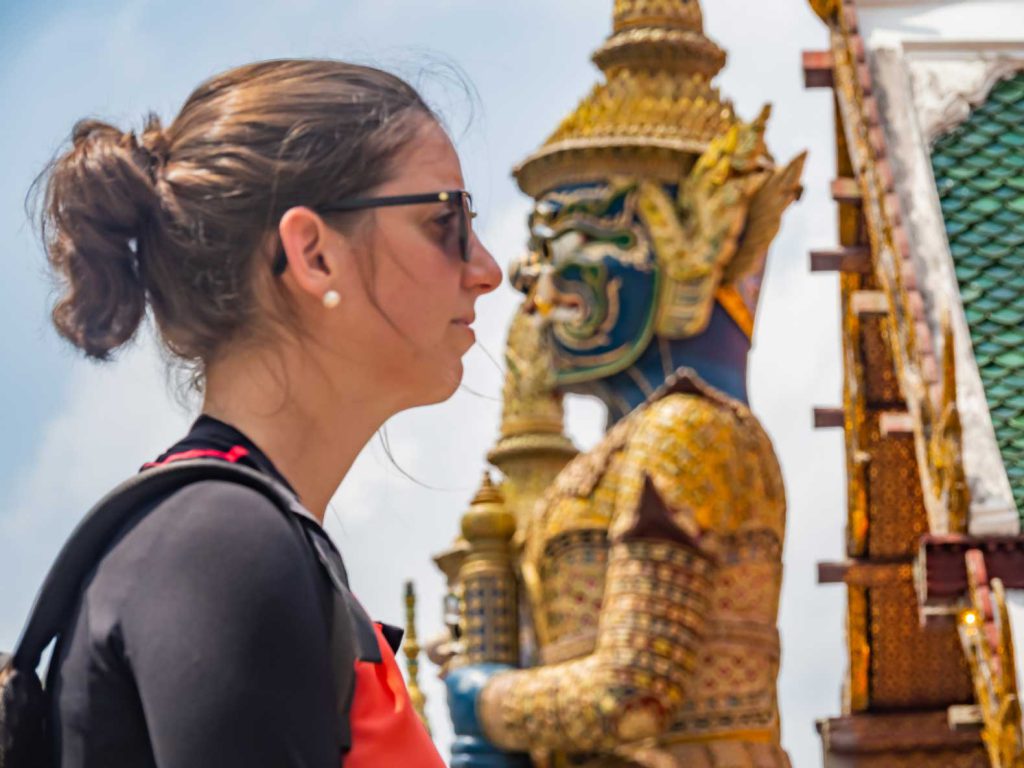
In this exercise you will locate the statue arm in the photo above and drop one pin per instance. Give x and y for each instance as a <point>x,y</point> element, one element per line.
<point>656,590</point>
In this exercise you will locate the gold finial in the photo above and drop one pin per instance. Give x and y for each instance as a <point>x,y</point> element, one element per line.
<point>660,34</point>
<point>532,415</point>
<point>487,518</point>
<point>489,593</point>
<point>488,493</point>
<point>676,14</point>
<point>411,647</point>
<point>530,403</point>
<point>655,112</point>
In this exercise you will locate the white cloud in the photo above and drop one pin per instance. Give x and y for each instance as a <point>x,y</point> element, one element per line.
<point>116,417</point>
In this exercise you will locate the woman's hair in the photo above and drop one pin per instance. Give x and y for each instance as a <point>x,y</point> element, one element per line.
<point>181,218</point>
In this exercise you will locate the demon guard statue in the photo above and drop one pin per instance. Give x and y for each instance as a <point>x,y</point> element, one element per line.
<point>618,608</point>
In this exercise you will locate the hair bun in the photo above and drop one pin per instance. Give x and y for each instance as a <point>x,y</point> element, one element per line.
<point>156,146</point>
<point>100,197</point>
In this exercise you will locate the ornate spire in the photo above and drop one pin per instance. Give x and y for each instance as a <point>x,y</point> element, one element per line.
<point>490,618</point>
<point>655,112</point>
<point>677,14</point>
<point>411,646</point>
<point>660,34</point>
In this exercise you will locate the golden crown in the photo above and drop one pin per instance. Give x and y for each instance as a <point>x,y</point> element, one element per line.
<point>655,112</point>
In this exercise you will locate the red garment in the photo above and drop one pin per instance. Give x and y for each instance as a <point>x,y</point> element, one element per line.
<point>386,731</point>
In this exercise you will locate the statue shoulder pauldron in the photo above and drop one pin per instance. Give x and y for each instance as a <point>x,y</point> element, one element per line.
<point>706,459</point>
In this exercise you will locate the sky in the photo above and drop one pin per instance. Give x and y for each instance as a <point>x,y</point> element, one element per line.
<point>72,429</point>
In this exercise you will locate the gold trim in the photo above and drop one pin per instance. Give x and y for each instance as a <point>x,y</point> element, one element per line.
<point>732,302</point>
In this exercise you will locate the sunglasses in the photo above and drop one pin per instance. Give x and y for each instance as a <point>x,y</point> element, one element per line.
<point>459,198</point>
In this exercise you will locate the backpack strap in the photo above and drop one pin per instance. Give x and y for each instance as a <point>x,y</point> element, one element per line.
<point>352,632</point>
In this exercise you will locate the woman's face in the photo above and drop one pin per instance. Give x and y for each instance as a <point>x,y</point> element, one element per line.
<point>406,314</point>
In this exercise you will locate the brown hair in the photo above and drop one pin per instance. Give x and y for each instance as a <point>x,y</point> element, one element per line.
<point>180,218</point>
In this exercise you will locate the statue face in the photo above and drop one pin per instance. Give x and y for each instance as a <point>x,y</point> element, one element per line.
<point>591,272</point>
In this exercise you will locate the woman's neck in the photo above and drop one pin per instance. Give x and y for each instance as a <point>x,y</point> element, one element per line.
<point>310,427</point>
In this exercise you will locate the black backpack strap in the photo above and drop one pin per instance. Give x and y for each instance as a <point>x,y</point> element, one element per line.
<point>352,634</point>
<point>351,630</point>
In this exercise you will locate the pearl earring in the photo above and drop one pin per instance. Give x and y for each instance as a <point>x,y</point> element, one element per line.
<point>332,299</point>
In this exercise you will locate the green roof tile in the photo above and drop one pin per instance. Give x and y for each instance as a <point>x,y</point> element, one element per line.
<point>1006,316</point>
<point>979,175</point>
<point>1007,217</point>
<point>985,184</point>
<point>995,250</point>
<point>1013,139</point>
<point>986,206</point>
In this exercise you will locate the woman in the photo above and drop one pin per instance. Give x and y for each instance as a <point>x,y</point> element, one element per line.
<point>301,238</point>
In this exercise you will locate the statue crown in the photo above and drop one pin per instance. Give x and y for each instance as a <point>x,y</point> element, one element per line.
<point>656,110</point>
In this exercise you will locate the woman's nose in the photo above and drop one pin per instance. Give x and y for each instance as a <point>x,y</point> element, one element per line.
<point>483,271</point>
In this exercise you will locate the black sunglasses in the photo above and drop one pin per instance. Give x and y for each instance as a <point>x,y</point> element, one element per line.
<point>464,206</point>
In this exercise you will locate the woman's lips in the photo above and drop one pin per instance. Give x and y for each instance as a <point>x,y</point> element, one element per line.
<point>465,324</point>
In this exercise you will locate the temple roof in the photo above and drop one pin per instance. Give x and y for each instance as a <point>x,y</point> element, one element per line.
<point>900,88</point>
<point>979,173</point>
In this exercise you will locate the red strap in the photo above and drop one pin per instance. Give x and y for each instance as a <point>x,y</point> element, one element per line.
<point>236,453</point>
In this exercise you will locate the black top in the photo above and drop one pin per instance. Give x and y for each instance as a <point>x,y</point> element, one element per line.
<point>202,637</point>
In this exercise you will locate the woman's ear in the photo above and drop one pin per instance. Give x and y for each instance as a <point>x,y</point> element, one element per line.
<point>311,251</point>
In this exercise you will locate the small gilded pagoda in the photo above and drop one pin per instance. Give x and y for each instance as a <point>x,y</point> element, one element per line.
<point>929,187</point>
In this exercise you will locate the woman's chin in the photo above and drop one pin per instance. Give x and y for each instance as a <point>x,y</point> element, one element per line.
<point>446,383</point>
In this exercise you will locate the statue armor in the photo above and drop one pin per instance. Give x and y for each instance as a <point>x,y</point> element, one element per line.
<point>658,564</point>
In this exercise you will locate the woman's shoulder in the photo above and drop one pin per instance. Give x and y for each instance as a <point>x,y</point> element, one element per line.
<point>211,515</point>
<point>209,531</point>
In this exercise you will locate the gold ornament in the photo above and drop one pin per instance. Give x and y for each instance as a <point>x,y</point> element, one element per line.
<point>987,640</point>
<point>488,581</point>
<point>655,112</point>
<point>666,637</point>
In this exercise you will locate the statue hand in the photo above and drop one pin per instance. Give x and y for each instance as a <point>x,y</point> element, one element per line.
<point>470,749</point>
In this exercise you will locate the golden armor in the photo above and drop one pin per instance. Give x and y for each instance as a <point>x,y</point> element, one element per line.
<point>658,566</point>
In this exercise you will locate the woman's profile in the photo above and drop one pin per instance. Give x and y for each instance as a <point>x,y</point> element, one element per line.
<point>301,237</point>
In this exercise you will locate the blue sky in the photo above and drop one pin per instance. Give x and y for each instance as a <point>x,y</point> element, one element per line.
<point>72,428</point>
